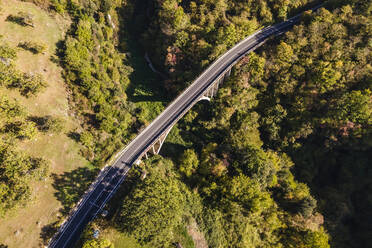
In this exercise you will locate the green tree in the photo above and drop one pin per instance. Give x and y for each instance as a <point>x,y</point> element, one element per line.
<point>306,239</point>
<point>87,139</point>
<point>17,171</point>
<point>189,162</point>
<point>154,208</point>
<point>354,106</point>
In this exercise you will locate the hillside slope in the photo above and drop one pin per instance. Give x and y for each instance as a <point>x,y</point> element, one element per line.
<point>24,225</point>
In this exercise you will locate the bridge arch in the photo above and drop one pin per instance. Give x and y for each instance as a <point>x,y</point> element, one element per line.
<point>207,95</point>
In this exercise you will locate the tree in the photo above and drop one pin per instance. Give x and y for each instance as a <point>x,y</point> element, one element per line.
<point>154,208</point>
<point>306,239</point>
<point>189,162</point>
<point>17,171</point>
<point>248,194</point>
<point>307,206</point>
<point>210,164</point>
<point>354,106</point>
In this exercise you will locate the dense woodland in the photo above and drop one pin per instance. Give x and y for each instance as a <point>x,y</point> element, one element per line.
<point>97,74</point>
<point>304,98</point>
<point>279,158</point>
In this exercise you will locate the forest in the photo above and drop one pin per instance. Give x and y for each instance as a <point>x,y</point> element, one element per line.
<point>279,158</point>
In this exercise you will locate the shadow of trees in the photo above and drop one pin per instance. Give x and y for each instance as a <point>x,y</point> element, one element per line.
<point>47,232</point>
<point>145,85</point>
<point>70,186</point>
<point>22,18</point>
<point>75,136</point>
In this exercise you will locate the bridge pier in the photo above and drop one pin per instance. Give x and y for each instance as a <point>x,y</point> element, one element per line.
<point>209,93</point>
<point>212,90</point>
<point>228,72</point>
<point>156,146</point>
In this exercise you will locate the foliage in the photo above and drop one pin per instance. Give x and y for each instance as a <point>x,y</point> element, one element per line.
<point>307,239</point>
<point>27,83</point>
<point>94,242</point>
<point>13,122</point>
<point>7,52</point>
<point>97,74</point>
<point>307,95</point>
<point>154,208</point>
<point>185,36</point>
<point>98,243</point>
<point>17,171</point>
<point>244,194</point>
<point>188,162</point>
<point>10,109</point>
<point>315,104</point>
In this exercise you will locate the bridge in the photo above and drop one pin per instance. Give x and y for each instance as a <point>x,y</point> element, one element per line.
<point>151,139</point>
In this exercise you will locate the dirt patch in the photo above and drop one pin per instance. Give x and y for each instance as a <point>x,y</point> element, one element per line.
<point>196,235</point>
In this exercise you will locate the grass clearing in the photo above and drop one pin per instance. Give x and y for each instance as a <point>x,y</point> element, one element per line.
<point>145,89</point>
<point>183,237</point>
<point>23,227</point>
<point>120,239</point>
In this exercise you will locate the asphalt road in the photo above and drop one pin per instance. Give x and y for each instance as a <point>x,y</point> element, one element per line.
<point>109,179</point>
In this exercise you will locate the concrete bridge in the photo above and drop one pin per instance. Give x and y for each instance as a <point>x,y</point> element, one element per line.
<point>153,136</point>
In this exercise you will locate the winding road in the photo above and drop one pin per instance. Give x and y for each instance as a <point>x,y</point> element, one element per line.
<point>112,176</point>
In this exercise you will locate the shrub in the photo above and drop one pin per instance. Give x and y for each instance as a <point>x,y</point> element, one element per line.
<point>48,123</point>
<point>21,129</point>
<point>8,73</point>
<point>22,18</point>
<point>7,52</point>
<point>30,84</point>
<point>59,6</point>
<point>33,46</point>
<point>87,139</point>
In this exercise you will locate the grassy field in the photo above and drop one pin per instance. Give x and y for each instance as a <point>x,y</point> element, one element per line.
<point>24,227</point>
<point>120,240</point>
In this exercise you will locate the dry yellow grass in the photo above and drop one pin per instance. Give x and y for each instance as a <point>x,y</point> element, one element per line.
<point>22,228</point>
